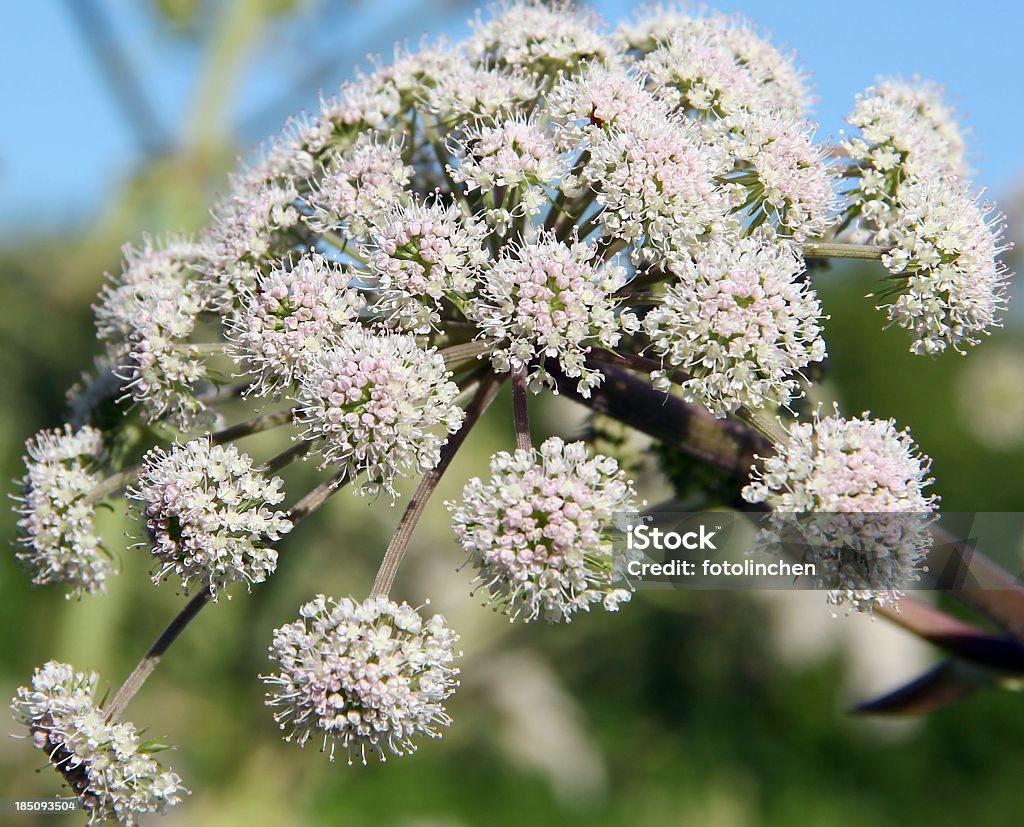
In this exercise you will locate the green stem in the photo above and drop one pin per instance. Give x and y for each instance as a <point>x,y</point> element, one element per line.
<point>855,251</point>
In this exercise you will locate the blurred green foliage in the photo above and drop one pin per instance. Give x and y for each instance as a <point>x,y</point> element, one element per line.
<point>682,709</point>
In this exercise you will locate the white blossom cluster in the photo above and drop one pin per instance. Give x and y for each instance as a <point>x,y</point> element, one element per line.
<point>108,765</point>
<point>946,248</point>
<point>370,677</point>
<point>208,513</point>
<point>540,531</point>
<point>422,255</point>
<point>857,486</point>
<point>294,312</point>
<point>551,299</point>
<point>146,316</point>
<point>911,195</point>
<point>741,324</point>
<point>60,543</point>
<point>375,404</point>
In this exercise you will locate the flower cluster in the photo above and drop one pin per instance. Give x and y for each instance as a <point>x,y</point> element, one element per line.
<point>146,317</point>
<point>551,300</point>
<point>421,255</point>
<point>542,199</point>
<point>780,175</point>
<point>207,512</point>
<point>863,480</point>
<point>946,253</point>
<point>725,65</point>
<point>109,767</point>
<point>540,531</point>
<point>517,156</point>
<point>376,402</point>
<point>741,323</point>
<point>370,676</point>
<point>294,312</point>
<point>59,539</point>
<point>359,186</point>
<point>656,182</point>
<point>910,195</point>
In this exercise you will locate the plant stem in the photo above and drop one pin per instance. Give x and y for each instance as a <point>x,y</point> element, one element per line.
<point>146,666</point>
<point>403,534</point>
<point>455,355</point>
<point>860,251</point>
<point>257,424</point>
<point>521,410</point>
<point>302,509</point>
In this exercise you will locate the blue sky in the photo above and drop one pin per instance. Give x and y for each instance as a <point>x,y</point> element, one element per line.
<point>64,144</point>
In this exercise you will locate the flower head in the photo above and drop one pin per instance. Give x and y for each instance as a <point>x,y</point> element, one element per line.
<point>377,402</point>
<point>421,255</point>
<point>597,101</point>
<point>110,769</point>
<point>207,511</point>
<point>782,176</point>
<point>358,186</point>
<point>253,227</point>
<point>858,487</point>
<point>146,317</point>
<point>951,284</point>
<point>551,299</point>
<point>295,311</point>
<point>541,39</point>
<point>516,155</point>
<point>539,532</point>
<point>741,322</point>
<point>467,92</point>
<point>370,676</point>
<point>59,540</point>
<point>656,182</point>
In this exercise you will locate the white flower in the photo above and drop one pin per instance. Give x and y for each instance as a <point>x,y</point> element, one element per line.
<point>424,254</point>
<point>698,74</point>
<point>358,185</point>
<point>741,322</point>
<point>295,311</point>
<point>468,92</point>
<point>108,766</point>
<point>855,486</point>
<point>542,39</point>
<point>950,280</point>
<point>370,676</point>
<point>783,175</point>
<point>907,133</point>
<point>59,539</point>
<point>596,101</point>
<point>207,511</point>
<point>517,156</point>
<point>771,78</point>
<point>377,101</point>
<point>540,532</point>
<point>551,300</point>
<point>146,316</point>
<point>253,227</point>
<point>377,401</point>
<point>655,180</point>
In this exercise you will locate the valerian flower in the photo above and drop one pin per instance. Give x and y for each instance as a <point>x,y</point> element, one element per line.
<point>207,510</point>
<point>370,677</point>
<point>541,531</point>
<point>376,403</point>
<point>107,764</point>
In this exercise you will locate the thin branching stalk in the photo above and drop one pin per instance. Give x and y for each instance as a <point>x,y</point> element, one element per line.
<point>856,251</point>
<point>521,410</point>
<point>399,543</point>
